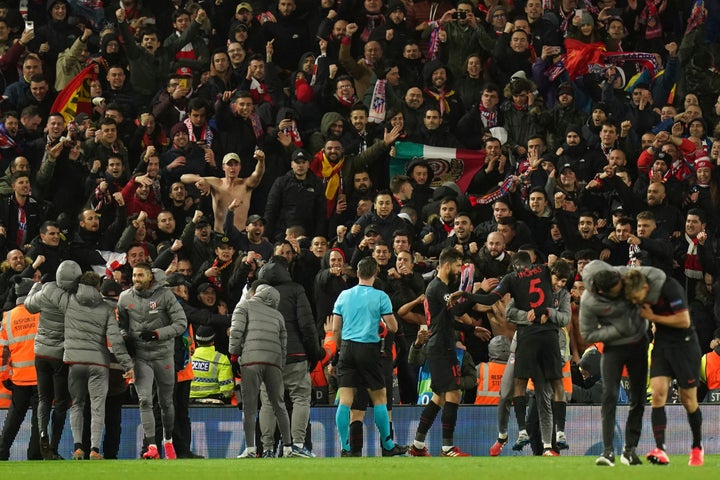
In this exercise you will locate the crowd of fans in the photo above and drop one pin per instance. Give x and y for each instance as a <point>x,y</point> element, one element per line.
<point>224,135</point>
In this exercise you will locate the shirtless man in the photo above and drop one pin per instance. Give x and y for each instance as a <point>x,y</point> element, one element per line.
<point>225,190</point>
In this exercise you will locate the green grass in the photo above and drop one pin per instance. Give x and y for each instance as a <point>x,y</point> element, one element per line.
<point>576,468</point>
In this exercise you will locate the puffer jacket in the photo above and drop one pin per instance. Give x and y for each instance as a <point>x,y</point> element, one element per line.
<point>89,323</point>
<point>614,321</point>
<point>303,342</point>
<point>154,309</point>
<point>258,333</point>
<point>51,301</point>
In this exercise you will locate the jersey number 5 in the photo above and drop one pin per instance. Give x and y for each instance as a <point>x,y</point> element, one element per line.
<point>536,290</point>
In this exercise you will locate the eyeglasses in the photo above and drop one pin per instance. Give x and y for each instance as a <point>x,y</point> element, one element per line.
<point>499,15</point>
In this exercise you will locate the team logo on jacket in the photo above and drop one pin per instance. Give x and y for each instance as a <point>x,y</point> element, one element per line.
<point>153,305</point>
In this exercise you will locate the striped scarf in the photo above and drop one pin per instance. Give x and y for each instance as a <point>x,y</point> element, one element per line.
<point>206,133</point>
<point>692,267</point>
<point>490,197</point>
<point>377,104</point>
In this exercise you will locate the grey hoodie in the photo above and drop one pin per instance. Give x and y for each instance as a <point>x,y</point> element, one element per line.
<point>51,301</point>
<point>89,323</point>
<point>614,321</point>
<point>258,334</point>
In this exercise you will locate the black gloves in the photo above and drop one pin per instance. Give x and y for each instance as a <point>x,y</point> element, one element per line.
<point>149,335</point>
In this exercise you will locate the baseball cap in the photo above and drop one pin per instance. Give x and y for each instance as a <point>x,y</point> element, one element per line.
<point>229,157</point>
<point>300,155</point>
<point>371,228</point>
<point>184,71</point>
<point>563,166</point>
<point>566,89</point>
<point>176,279</point>
<point>202,222</point>
<point>254,218</point>
<point>81,117</point>
<point>204,287</point>
<point>223,240</point>
<point>243,6</point>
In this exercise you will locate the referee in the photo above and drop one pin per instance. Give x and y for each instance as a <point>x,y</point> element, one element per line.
<point>357,313</point>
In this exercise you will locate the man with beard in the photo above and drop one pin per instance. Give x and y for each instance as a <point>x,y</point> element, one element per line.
<point>492,259</point>
<point>574,152</point>
<point>138,197</point>
<point>290,34</point>
<point>90,238</point>
<point>180,204</point>
<point>440,349</point>
<point>564,114</point>
<point>100,184</point>
<point>335,169</point>
<point>186,157</point>
<point>15,262</point>
<point>439,93</point>
<point>252,239</point>
<point>439,228</point>
<point>464,240</point>
<point>583,236</point>
<point>151,317</point>
<point>593,125</point>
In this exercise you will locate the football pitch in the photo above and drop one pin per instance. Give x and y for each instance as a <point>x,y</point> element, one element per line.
<point>398,468</point>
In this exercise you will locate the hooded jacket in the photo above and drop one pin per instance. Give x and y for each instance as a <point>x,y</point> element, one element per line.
<point>258,334</point>
<point>89,323</point>
<point>614,321</point>
<point>155,309</point>
<point>303,342</point>
<point>51,301</point>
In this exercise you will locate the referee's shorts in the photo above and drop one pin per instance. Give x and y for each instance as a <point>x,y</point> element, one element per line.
<point>359,366</point>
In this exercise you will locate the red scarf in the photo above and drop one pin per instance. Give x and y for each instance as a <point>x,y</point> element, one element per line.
<point>217,281</point>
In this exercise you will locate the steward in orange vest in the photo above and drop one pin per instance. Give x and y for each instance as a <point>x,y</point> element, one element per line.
<point>490,373</point>
<point>17,371</point>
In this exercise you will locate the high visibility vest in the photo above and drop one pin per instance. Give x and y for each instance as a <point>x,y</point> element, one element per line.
<point>212,374</point>
<point>712,374</point>
<point>5,396</point>
<point>17,341</point>
<point>489,380</point>
<point>567,379</point>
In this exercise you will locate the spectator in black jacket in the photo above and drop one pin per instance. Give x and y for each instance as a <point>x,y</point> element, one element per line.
<point>295,199</point>
<point>303,351</point>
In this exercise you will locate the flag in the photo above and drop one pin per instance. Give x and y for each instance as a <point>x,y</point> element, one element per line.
<point>75,97</point>
<point>448,164</point>
<point>580,55</point>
